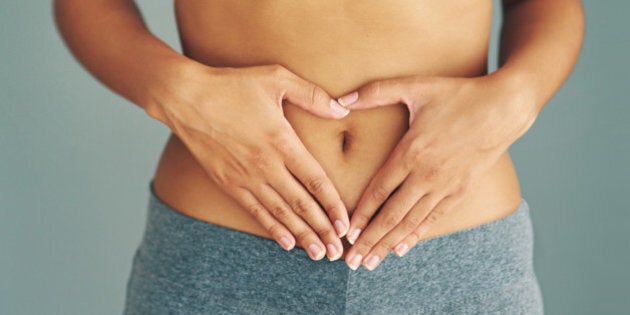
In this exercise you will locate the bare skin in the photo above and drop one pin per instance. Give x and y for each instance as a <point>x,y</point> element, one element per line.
<point>339,47</point>
<point>331,51</point>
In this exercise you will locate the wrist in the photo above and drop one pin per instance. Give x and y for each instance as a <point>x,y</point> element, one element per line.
<point>169,85</point>
<point>522,89</point>
<point>513,108</point>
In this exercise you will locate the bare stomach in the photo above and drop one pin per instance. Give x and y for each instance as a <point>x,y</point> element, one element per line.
<point>350,150</point>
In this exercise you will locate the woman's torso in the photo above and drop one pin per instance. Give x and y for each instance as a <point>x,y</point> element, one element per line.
<point>338,45</point>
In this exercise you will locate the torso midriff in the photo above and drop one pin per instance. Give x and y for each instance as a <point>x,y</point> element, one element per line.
<point>338,45</point>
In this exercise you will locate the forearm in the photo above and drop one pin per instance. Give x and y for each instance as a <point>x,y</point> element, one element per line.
<point>540,44</point>
<point>110,39</point>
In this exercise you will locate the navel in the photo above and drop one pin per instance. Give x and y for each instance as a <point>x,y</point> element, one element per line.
<point>346,140</point>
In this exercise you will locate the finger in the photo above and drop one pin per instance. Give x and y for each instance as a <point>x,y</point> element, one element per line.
<point>311,97</point>
<point>304,206</point>
<point>376,93</point>
<point>404,228</point>
<point>283,213</point>
<point>277,230</point>
<point>310,173</point>
<point>416,235</point>
<point>378,190</point>
<point>388,219</point>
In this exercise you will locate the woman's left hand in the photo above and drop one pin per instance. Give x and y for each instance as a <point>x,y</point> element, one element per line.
<point>458,128</point>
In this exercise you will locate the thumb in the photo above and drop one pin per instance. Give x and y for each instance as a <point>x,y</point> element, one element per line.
<point>313,99</point>
<point>375,94</point>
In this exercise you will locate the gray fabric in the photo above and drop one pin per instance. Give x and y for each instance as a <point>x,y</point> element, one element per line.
<point>187,266</point>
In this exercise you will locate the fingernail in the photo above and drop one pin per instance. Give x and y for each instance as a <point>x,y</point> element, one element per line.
<point>316,252</point>
<point>353,236</point>
<point>338,110</point>
<point>286,243</point>
<point>355,261</point>
<point>340,228</point>
<point>333,252</point>
<point>348,99</point>
<point>401,249</point>
<point>371,261</point>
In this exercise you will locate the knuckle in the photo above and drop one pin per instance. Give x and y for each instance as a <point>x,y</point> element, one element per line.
<point>324,232</point>
<point>413,237</point>
<point>365,242</point>
<point>379,194</point>
<point>303,236</point>
<point>410,163</point>
<point>278,70</point>
<point>360,217</point>
<point>300,207</point>
<point>317,95</point>
<point>279,212</point>
<point>432,217</point>
<point>433,172</point>
<point>416,153</point>
<point>334,209</point>
<point>412,222</point>
<point>222,178</point>
<point>261,161</point>
<point>281,141</point>
<point>390,222</point>
<point>256,210</point>
<point>275,229</point>
<point>446,204</point>
<point>374,89</point>
<point>382,247</point>
<point>464,188</point>
<point>315,185</point>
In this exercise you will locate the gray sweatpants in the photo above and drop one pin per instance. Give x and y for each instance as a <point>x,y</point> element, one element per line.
<point>187,266</point>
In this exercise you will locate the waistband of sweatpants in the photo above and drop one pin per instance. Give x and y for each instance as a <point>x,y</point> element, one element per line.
<point>166,227</point>
<point>194,258</point>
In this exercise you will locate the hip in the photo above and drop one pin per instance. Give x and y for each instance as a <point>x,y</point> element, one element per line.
<point>184,265</point>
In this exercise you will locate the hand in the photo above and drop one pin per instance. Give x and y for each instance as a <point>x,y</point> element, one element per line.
<point>232,121</point>
<point>458,128</point>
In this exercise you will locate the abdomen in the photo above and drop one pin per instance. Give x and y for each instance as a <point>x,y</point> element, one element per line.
<point>338,45</point>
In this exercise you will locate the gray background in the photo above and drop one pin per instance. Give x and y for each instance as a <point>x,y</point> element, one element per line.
<point>76,159</point>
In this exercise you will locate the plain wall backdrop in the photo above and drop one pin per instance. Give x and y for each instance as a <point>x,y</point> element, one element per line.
<point>76,160</point>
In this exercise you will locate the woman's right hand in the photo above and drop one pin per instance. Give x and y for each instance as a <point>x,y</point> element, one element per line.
<point>232,121</point>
